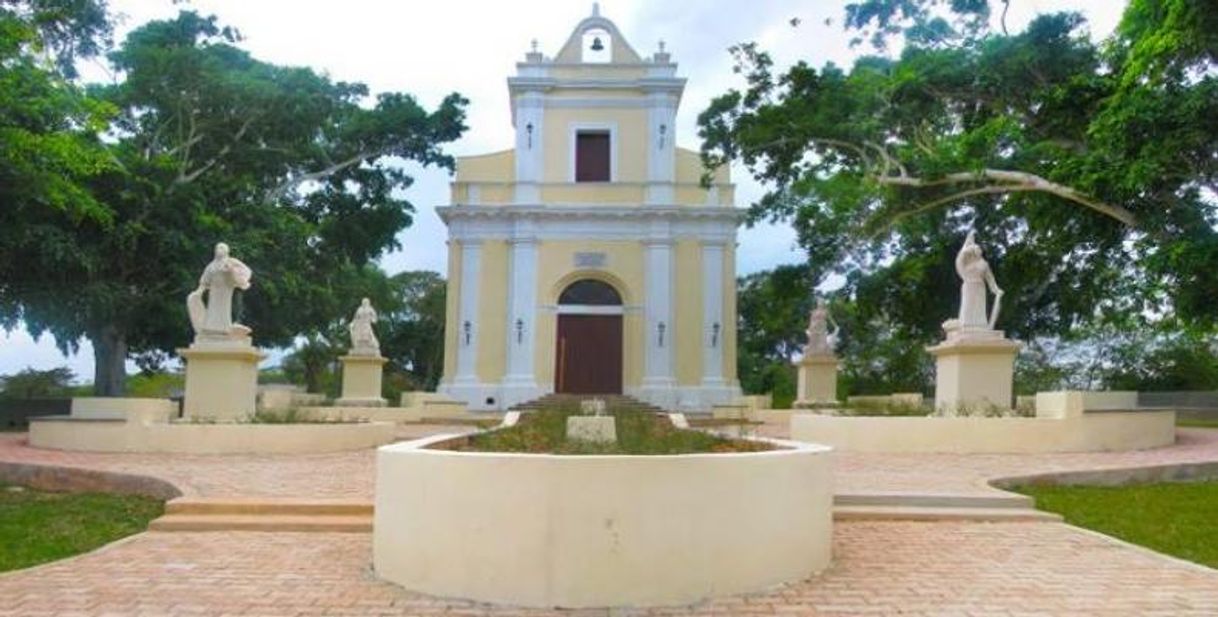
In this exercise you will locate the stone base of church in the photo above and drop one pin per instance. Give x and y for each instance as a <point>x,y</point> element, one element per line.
<point>221,380</point>
<point>515,391</point>
<point>479,396</point>
<point>362,381</point>
<point>687,399</point>
<point>476,395</point>
<point>974,371</point>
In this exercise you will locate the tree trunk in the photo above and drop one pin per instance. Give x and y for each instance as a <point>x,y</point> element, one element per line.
<point>109,361</point>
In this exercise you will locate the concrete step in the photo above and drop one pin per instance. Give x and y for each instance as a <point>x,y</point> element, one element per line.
<point>916,513</point>
<point>262,522</point>
<point>268,506</point>
<point>933,500</point>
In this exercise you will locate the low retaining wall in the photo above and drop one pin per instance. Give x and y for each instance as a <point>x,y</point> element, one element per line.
<point>397,414</point>
<point>69,479</point>
<point>188,438</point>
<point>592,531</point>
<point>1122,476</point>
<point>111,408</point>
<point>1090,432</point>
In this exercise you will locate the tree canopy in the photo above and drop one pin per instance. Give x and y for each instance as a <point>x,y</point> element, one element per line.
<point>1088,168</point>
<point>297,172</point>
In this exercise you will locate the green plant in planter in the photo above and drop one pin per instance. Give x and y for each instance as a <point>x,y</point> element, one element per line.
<point>638,433</point>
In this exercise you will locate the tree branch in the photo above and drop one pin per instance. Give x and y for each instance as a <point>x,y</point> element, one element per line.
<point>322,173</point>
<point>1016,181</point>
<point>185,177</point>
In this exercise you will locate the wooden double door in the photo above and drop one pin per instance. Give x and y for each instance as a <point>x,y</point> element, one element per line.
<point>589,354</point>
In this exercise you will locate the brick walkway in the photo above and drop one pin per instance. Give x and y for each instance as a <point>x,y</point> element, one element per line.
<point>940,569</point>
<point>350,474</point>
<point>336,475</point>
<point>1005,569</point>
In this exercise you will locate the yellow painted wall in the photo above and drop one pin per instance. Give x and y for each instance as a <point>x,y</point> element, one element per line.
<point>492,167</point>
<point>555,270</point>
<point>687,311</point>
<point>629,164</point>
<point>452,310</point>
<point>492,311</point>
<point>689,168</point>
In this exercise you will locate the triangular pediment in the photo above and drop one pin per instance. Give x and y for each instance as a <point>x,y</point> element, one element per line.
<point>620,51</point>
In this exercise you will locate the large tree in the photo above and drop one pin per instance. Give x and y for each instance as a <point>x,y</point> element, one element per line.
<point>48,144</point>
<point>298,173</point>
<point>412,333</point>
<point>410,327</point>
<point>1089,169</point>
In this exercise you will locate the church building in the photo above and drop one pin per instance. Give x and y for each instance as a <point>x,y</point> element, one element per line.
<point>590,258</point>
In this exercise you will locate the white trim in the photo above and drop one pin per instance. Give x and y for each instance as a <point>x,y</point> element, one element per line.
<point>467,352</point>
<point>657,309</point>
<point>530,146</point>
<point>595,103</point>
<point>589,309</point>
<point>522,307</point>
<point>582,222</point>
<point>712,314</point>
<point>574,128</point>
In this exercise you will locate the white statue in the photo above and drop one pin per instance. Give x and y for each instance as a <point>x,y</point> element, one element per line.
<point>219,279</point>
<point>976,275</point>
<point>363,339</point>
<point>820,341</point>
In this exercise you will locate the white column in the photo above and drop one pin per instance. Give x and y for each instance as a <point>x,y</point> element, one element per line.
<point>520,383</point>
<point>661,150</point>
<point>713,328</point>
<point>658,332</point>
<point>530,128</point>
<point>467,320</point>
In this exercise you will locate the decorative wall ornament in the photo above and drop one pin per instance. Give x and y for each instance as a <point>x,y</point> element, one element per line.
<point>590,260</point>
<point>519,331</point>
<point>466,328</point>
<point>715,334</point>
<point>660,327</point>
<point>663,132</point>
<point>528,129</point>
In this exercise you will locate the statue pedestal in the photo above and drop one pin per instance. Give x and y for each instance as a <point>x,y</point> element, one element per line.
<point>221,379</point>
<point>974,369</point>
<point>362,381</point>
<point>817,380</point>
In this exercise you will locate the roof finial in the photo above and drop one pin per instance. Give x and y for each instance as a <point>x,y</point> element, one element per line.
<point>661,45</point>
<point>533,45</point>
<point>596,9</point>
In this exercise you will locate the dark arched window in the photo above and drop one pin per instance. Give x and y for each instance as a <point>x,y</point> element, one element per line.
<point>590,292</point>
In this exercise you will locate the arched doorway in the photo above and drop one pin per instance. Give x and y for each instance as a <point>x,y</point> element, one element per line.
<point>588,355</point>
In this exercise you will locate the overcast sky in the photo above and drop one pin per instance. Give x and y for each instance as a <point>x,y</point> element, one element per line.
<point>471,46</point>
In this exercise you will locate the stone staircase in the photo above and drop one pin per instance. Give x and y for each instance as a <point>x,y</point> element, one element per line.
<point>355,516</point>
<point>265,514</point>
<point>560,401</point>
<point>922,507</point>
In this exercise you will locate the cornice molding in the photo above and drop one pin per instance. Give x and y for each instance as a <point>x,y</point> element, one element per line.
<point>656,224</point>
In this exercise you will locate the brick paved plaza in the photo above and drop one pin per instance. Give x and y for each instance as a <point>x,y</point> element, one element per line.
<point>914,568</point>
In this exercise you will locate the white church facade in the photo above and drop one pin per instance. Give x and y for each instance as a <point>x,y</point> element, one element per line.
<point>590,258</point>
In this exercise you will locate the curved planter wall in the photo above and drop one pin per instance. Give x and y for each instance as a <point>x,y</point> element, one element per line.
<point>187,438</point>
<point>592,531</point>
<point>1093,432</point>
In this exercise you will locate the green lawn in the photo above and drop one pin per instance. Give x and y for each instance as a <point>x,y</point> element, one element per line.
<point>1197,423</point>
<point>37,527</point>
<point>1177,519</point>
